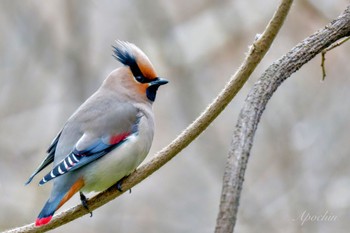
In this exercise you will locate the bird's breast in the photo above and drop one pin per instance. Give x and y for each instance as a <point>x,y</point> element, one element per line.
<point>120,162</point>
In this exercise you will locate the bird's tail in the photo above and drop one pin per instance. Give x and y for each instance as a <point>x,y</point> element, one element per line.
<point>47,212</point>
<point>54,203</point>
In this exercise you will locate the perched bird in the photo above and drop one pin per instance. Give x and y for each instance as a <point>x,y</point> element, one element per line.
<point>107,137</point>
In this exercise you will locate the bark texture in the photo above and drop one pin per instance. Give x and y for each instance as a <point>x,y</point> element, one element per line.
<point>254,106</point>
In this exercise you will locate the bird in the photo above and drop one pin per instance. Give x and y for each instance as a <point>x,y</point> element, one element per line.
<point>107,137</point>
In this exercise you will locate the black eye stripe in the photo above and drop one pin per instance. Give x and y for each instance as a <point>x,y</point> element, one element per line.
<point>142,79</point>
<point>128,59</point>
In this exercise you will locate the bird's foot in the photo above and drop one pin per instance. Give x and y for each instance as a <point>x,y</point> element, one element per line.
<point>84,203</point>
<point>119,185</point>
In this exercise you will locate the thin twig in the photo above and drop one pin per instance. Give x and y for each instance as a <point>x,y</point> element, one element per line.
<point>254,106</point>
<point>323,55</point>
<point>255,54</point>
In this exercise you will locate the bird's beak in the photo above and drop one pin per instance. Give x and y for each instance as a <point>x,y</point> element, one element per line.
<point>158,82</point>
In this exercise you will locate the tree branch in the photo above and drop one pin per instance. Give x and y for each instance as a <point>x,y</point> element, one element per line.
<point>254,106</point>
<point>255,54</point>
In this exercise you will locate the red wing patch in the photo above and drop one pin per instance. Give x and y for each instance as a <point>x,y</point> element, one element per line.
<point>118,138</point>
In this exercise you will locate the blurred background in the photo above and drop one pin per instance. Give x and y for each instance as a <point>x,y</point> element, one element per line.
<point>55,54</point>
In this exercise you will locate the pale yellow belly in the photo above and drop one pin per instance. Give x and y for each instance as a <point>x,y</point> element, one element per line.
<point>112,167</point>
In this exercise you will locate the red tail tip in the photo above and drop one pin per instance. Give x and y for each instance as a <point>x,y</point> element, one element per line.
<point>42,221</point>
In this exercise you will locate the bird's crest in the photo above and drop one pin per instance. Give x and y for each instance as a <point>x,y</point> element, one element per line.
<point>130,55</point>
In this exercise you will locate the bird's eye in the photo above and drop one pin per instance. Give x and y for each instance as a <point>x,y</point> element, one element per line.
<point>140,79</point>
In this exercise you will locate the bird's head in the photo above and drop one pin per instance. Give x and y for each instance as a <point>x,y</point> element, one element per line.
<point>138,75</point>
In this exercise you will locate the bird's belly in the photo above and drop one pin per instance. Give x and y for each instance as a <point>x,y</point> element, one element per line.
<point>120,162</point>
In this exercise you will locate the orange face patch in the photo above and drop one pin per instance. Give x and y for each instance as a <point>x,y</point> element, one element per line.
<point>146,66</point>
<point>142,87</point>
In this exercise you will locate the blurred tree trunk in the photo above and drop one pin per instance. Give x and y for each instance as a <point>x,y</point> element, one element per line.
<point>179,69</point>
<point>77,50</point>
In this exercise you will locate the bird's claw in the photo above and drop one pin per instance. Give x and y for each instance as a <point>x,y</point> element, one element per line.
<point>119,185</point>
<point>84,203</point>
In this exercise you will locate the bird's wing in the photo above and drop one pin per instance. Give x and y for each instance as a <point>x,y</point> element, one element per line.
<point>91,147</point>
<point>49,158</point>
